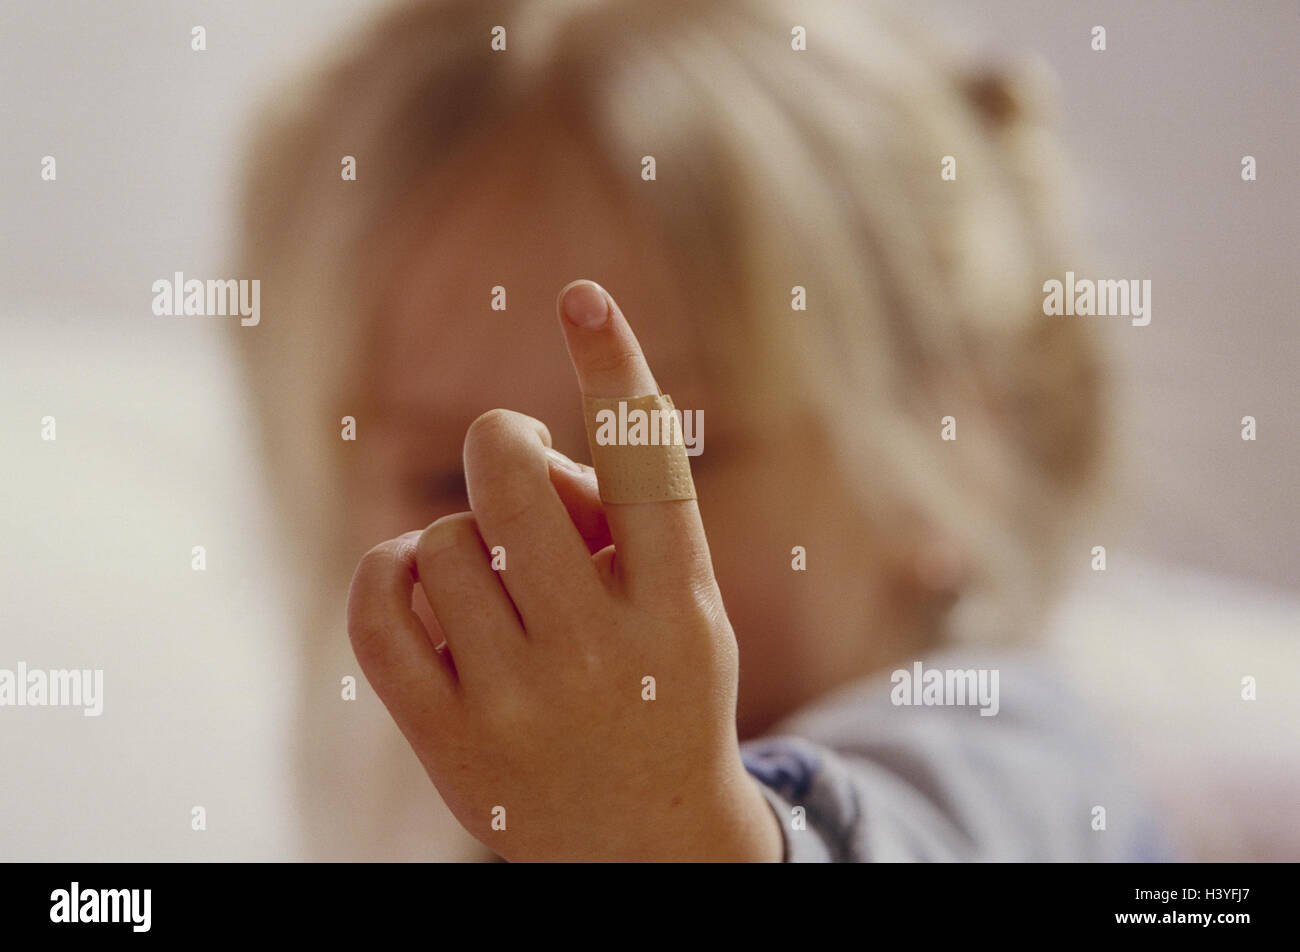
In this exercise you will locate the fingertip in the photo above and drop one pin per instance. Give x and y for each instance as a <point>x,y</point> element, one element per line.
<point>584,304</point>
<point>608,362</point>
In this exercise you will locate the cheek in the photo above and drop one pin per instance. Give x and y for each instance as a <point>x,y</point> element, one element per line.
<point>751,532</point>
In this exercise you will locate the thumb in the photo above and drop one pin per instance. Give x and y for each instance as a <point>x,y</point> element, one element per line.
<point>575,484</point>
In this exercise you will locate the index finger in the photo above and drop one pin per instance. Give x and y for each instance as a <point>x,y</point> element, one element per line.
<point>657,542</point>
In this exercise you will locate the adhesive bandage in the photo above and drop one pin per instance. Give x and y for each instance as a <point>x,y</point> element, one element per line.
<point>637,449</point>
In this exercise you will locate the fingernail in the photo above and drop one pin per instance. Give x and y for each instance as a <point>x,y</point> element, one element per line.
<point>440,534</point>
<point>562,461</point>
<point>584,305</point>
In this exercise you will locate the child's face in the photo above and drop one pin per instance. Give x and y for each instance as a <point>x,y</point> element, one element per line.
<point>441,356</point>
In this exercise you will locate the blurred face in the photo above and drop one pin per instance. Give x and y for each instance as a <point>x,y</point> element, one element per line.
<point>529,213</point>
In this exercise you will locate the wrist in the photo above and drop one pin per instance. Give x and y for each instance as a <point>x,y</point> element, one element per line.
<point>741,827</point>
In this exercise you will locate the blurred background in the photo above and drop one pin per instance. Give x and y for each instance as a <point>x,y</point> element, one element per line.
<point>155,450</point>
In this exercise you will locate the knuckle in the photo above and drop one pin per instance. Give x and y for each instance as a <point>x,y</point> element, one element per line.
<point>506,497</point>
<point>499,446</point>
<point>368,631</point>
<point>370,638</point>
<point>504,467</point>
<point>616,362</point>
<point>375,564</point>
<point>500,429</point>
<point>695,622</point>
<point>704,603</point>
<point>378,557</point>
<point>689,597</point>
<point>491,427</point>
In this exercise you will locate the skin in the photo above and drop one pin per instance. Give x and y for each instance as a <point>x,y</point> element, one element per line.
<point>535,703</point>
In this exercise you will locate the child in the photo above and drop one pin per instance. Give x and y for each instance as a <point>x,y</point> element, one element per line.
<point>897,438</point>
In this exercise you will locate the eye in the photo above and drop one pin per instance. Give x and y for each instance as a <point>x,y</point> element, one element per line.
<point>439,486</point>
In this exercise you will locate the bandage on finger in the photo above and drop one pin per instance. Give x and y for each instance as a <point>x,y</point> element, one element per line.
<point>637,449</point>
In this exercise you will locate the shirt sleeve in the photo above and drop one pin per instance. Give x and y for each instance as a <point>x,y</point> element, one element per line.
<point>860,778</point>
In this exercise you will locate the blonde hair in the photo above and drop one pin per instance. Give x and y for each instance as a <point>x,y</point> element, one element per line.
<point>777,167</point>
